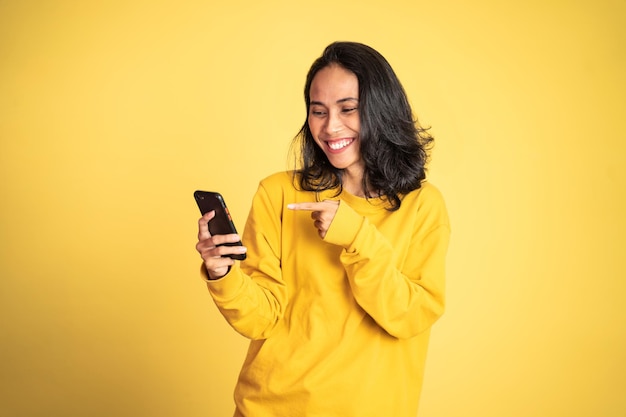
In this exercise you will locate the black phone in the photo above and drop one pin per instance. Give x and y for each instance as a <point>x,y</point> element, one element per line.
<point>222,223</point>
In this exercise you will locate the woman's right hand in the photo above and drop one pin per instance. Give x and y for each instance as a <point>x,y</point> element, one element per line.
<point>216,265</point>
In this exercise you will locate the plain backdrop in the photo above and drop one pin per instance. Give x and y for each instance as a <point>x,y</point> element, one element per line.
<point>113,112</point>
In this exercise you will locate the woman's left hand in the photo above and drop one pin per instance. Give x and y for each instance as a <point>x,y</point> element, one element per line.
<point>322,213</point>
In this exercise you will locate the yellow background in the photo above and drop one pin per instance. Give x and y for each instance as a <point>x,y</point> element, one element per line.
<point>113,112</point>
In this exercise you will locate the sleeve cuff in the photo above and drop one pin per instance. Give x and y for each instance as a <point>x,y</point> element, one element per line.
<point>227,287</point>
<point>344,227</point>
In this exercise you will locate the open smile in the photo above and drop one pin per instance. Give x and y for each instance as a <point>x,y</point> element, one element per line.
<point>339,144</point>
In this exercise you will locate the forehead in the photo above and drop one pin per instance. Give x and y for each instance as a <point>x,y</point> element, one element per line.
<point>334,83</point>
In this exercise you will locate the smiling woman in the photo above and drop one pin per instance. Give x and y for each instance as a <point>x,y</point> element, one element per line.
<point>350,292</point>
<point>113,112</point>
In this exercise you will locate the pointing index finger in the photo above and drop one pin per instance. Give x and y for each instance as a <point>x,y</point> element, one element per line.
<point>303,206</point>
<point>313,206</point>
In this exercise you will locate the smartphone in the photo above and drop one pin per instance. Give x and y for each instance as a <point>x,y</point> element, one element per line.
<point>222,223</point>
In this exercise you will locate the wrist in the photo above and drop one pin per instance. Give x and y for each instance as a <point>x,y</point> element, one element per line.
<point>207,276</point>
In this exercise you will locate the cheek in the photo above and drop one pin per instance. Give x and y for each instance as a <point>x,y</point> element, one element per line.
<point>356,125</point>
<point>314,127</point>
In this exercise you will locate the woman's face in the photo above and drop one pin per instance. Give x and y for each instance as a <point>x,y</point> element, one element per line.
<point>334,117</point>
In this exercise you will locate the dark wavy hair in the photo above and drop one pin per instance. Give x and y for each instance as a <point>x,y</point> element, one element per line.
<point>394,147</point>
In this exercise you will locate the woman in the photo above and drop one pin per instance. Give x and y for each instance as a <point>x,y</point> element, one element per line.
<point>344,273</point>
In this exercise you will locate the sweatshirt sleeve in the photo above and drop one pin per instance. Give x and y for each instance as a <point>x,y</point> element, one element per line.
<point>252,296</point>
<point>404,296</point>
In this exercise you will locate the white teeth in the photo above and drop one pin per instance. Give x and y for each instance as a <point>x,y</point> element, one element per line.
<point>335,146</point>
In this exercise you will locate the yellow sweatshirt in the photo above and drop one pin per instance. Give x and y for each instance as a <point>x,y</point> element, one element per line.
<point>340,326</point>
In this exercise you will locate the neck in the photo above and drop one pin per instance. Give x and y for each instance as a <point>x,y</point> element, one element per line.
<point>352,182</point>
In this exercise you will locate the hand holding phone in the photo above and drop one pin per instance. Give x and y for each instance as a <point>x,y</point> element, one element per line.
<point>222,223</point>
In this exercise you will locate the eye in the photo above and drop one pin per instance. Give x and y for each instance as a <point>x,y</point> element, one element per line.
<point>318,113</point>
<point>349,109</point>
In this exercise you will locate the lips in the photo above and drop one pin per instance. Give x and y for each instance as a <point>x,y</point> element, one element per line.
<point>339,144</point>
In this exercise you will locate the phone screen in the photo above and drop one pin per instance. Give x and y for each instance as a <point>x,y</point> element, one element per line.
<point>222,223</point>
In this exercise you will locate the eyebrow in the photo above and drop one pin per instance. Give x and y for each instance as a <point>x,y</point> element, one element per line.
<point>343,100</point>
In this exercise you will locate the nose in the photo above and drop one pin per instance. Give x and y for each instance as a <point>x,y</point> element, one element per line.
<point>334,124</point>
